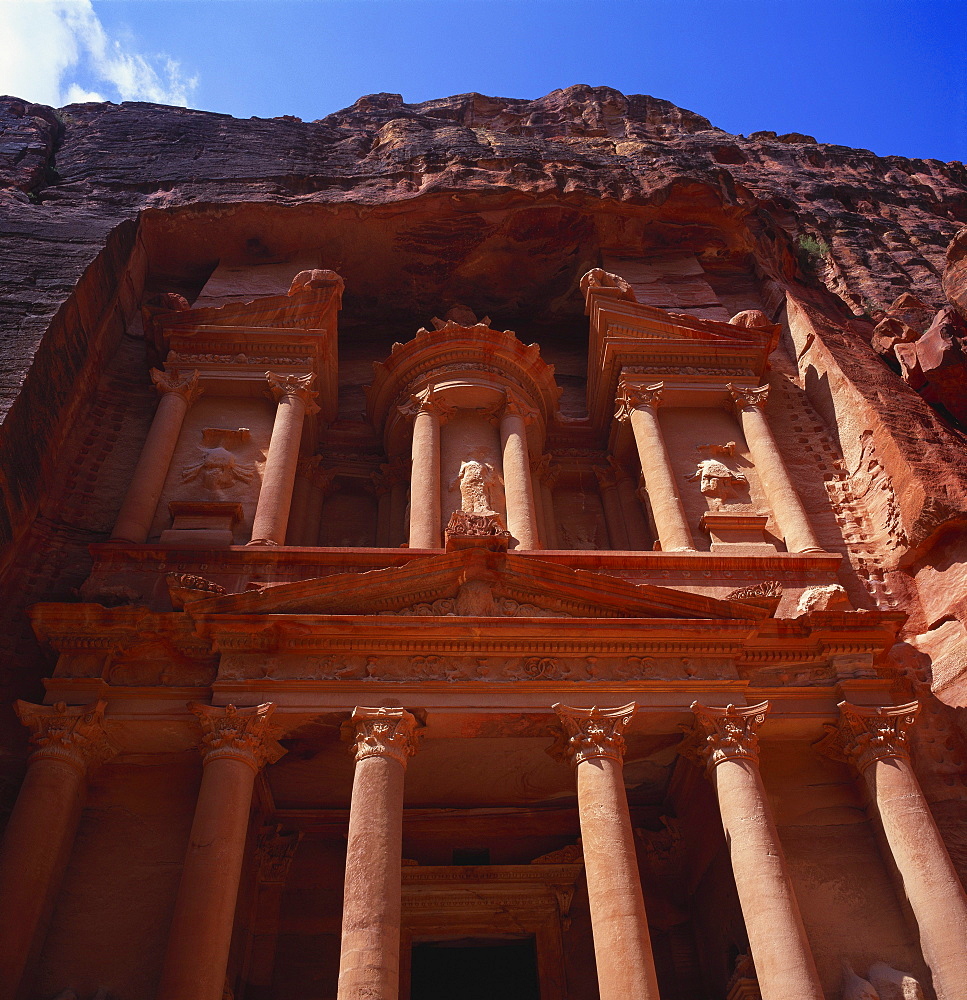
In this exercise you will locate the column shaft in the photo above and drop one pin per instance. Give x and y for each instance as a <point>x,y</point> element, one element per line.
<point>538,496</point>
<point>369,963</point>
<point>930,880</point>
<point>725,740</point>
<point>639,537</point>
<point>36,848</point>
<point>425,528</point>
<point>771,470</point>
<point>278,477</point>
<point>40,833</point>
<point>521,515</point>
<point>641,407</point>
<point>622,946</point>
<point>874,739</point>
<point>552,541</point>
<point>144,492</point>
<point>236,744</point>
<point>297,529</point>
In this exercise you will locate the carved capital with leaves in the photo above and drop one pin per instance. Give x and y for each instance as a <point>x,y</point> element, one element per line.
<point>514,406</point>
<point>293,387</point>
<point>749,399</point>
<point>185,386</point>
<point>635,397</point>
<point>73,734</point>
<point>594,732</point>
<point>721,734</point>
<point>384,732</point>
<point>243,734</point>
<point>868,733</point>
<point>426,402</point>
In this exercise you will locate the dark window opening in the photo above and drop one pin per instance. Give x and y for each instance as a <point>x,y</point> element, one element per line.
<point>475,969</point>
<point>471,855</point>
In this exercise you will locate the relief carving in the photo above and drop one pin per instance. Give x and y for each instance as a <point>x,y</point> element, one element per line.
<point>72,734</point>
<point>475,480</point>
<point>240,733</point>
<point>219,469</point>
<point>274,853</point>
<point>384,732</point>
<point>721,734</point>
<point>718,483</point>
<point>866,734</point>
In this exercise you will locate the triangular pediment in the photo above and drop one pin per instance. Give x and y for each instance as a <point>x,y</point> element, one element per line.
<point>476,583</point>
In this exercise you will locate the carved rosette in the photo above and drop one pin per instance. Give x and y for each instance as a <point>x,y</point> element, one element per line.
<point>635,397</point>
<point>749,399</point>
<point>721,734</point>
<point>72,734</point>
<point>384,732</point>
<point>288,387</point>
<point>185,386</point>
<point>868,733</point>
<point>238,733</point>
<point>594,732</point>
<point>274,853</point>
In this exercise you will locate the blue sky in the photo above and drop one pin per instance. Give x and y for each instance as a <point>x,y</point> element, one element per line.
<point>886,75</point>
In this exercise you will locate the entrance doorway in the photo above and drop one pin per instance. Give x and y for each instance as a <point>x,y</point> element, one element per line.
<point>475,969</point>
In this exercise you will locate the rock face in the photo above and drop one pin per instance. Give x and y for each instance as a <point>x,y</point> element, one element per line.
<point>781,326</point>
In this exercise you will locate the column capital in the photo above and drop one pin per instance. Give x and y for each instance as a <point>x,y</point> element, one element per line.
<point>514,406</point>
<point>274,852</point>
<point>240,733</point>
<point>293,387</point>
<point>384,732</point>
<point>868,733</point>
<point>73,734</point>
<point>185,386</point>
<point>633,397</point>
<point>721,734</point>
<point>748,399</point>
<point>594,732</point>
<point>426,402</point>
<point>607,476</point>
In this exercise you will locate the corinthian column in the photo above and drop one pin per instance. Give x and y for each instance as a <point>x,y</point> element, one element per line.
<point>144,492</point>
<point>369,962</point>
<point>518,490</point>
<point>68,744</point>
<point>640,406</point>
<point>622,947</point>
<point>235,746</point>
<point>295,399</point>
<point>875,741</point>
<point>725,740</point>
<point>427,412</point>
<point>613,514</point>
<point>771,469</point>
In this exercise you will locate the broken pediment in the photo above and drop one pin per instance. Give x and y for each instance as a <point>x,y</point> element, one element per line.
<point>477,583</point>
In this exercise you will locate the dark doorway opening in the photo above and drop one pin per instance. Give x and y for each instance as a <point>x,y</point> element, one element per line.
<point>475,969</point>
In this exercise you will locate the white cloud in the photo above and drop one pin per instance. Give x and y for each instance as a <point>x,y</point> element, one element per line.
<point>57,52</point>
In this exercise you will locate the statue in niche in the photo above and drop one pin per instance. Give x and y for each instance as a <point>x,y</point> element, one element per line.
<point>475,481</point>
<point>219,469</point>
<point>717,482</point>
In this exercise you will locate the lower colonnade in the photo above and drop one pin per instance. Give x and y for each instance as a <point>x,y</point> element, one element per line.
<point>238,742</point>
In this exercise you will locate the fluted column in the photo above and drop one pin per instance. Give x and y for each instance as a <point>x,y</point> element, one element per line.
<point>295,399</point>
<point>725,741</point>
<point>613,514</point>
<point>771,469</point>
<point>235,746</point>
<point>639,535</point>
<point>875,741</point>
<point>521,515</point>
<point>427,412</point>
<point>640,406</point>
<point>369,962</point>
<point>622,946</point>
<point>69,743</point>
<point>141,501</point>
